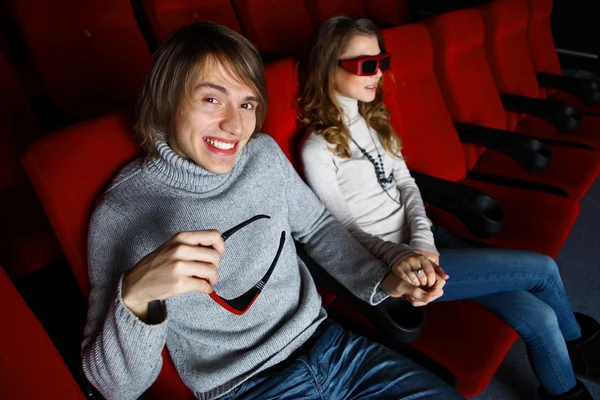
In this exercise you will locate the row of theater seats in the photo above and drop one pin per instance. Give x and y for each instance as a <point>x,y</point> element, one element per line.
<point>449,95</point>
<point>91,56</point>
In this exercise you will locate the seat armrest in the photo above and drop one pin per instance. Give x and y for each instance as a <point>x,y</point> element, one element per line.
<point>562,116</point>
<point>481,214</point>
<point>587,90</point>
<point>394,317</point>
<point>530,153</point>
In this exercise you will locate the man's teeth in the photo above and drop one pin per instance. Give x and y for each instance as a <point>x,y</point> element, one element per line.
<point>220,145</point>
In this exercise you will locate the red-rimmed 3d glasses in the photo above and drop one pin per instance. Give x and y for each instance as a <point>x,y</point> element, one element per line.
<point>242,303</point>
<point>367,65</point>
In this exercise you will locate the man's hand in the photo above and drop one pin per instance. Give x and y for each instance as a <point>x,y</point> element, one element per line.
<point>188,262</point>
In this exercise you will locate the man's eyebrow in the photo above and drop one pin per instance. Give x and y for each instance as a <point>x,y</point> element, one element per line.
<point>220,88</point>
<point>224,90</point>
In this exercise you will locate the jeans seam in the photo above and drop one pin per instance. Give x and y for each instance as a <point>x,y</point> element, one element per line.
<point>544,344</point>
<point>312,373</point>
<point>561,298</point>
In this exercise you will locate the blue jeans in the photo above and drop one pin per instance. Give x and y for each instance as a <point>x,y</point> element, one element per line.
<point>343,365</point>
<point>525,290</point>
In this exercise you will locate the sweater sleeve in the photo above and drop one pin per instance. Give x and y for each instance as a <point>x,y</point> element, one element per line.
<point>328,242</point>
<point>421,236</point>
<point>121,355</point>
<point>320,173</point>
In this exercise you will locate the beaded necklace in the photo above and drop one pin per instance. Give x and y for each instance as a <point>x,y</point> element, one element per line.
<point>379,167</point>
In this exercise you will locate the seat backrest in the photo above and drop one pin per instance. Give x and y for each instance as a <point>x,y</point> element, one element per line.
<point>386,13</point>
<point>463,73</point>
<point>69,170</point>
<point>275,26</point>
<point>167,16</point>
<point>416,106</point>
<point>30,365</point>
<point>541,42</point>
<point>281,119</point>
<point>321,10</point>
<point>507,48</point>
<point>90,54</point>
<point>18,126</point>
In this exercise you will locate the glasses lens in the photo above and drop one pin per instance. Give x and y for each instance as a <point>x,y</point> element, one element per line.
<point>385,63</point>
<point>369,67</point>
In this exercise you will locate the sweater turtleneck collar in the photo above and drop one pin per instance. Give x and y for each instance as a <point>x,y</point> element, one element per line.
<point>349,107</point>
<point>175,171</point>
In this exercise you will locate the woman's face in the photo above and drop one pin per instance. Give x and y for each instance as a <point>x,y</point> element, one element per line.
<point>362,88</point>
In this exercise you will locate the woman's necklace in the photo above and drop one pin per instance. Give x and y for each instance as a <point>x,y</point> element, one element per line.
<point>378,165</point>
<point>379,168</point>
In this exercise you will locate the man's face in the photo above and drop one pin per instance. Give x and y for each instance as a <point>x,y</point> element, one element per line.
<point>217,121</point>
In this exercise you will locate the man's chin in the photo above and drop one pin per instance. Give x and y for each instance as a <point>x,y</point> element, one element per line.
<point>220,167</point>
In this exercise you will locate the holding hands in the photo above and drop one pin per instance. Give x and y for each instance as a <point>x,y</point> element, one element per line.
<point>417,278</point>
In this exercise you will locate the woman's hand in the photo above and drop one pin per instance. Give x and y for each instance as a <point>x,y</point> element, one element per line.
<point>433,257</point>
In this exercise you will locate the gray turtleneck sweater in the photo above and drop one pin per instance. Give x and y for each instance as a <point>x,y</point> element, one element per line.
<point>213,349</point>
<point>351,192</point>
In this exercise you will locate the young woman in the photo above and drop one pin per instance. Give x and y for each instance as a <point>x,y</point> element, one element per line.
<point>352,161</point>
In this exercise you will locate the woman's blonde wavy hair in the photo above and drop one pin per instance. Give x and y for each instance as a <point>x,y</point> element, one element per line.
<point>318,110</point>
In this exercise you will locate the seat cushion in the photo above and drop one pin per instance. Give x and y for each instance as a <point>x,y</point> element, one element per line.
<point>588,131</point>
<point>466,339</point>
<point>533,220</point>
<point>574,102</point>
<point>573,170</point>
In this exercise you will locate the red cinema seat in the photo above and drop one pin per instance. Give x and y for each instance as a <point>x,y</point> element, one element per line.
<point>68,183</point>
<point>167,16</point>
<point>470,93</point>
<point>386,13</point>
<point>275,26</point>
<point>27,242</point>
<point>90,54</point>
<point>321,10</point>
<point>509,57</point>
<point>30,365</point>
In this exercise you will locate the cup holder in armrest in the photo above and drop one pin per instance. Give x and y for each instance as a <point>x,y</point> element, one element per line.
<point>405,320</point>
<point>395,318</point>
<point>486,216</point>
<point>481,214</point>
<point>540,158</point>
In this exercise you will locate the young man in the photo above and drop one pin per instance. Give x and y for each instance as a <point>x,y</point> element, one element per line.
<point>192,247</point>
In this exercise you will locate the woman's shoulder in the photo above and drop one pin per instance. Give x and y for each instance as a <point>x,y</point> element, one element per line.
<point>313,145</point>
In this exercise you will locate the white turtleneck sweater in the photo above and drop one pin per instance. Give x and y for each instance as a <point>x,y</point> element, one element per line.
<point>351,192</point>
